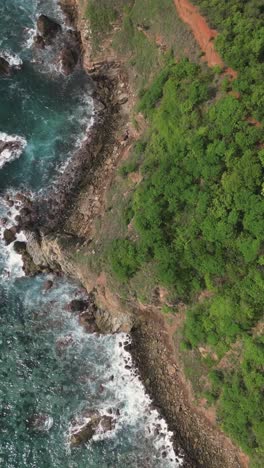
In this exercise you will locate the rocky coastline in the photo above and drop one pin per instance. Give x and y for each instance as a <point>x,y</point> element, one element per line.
<point>49,242</point>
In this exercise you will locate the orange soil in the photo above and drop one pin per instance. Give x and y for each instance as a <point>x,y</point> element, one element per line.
<point>202,33</point>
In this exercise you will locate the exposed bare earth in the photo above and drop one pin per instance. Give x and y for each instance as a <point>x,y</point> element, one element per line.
<point>203,34</point>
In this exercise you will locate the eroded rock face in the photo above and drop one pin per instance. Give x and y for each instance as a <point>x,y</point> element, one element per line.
<point>47,27</point>
<point>90,423</point>
<point>5,68</point>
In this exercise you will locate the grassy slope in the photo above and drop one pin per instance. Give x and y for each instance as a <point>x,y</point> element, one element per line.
<point>194,223</point>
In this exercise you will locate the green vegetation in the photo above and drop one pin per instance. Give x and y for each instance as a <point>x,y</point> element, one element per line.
<point>199,218</point>
<point>196,219</point>
<point>102,14</point>
<point>124,258</point>
<point>147,31</point>
<point>241,44</point>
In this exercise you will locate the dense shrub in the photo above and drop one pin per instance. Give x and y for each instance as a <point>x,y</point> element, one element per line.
<point>124,259</point>
<point>241,44</point>
<point>199,213</point>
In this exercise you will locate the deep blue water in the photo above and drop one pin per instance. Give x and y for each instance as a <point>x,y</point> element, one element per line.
<point>48,365</point>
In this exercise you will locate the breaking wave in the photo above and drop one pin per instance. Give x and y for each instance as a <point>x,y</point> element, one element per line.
<point>11,147</point>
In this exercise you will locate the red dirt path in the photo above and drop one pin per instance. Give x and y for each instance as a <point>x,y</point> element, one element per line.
<point>202,33</point>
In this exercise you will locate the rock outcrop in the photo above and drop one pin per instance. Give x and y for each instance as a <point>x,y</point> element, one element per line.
<point>5,68</point>
<point>54,253</point>
<point>91,423</point>
<point>47,28</point>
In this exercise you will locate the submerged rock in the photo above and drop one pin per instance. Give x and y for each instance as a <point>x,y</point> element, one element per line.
<point>91,424</point>
<point>47,285</point>
<point>40,422</point>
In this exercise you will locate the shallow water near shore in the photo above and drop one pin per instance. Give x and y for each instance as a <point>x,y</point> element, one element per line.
<point>51,371</point>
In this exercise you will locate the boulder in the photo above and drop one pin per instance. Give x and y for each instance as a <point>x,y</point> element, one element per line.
<point>5,68</point>
<point>20,247</point>
<point>92,423</point>
<point>77,305</point>
<point>47,27</point>
<point>10,235</point>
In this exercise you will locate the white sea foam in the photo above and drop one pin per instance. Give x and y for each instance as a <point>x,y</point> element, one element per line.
<point>87,102</point>
<point>13,59</point>
<point>129,389</point>
<point>30,33</point>
<point>12,147</point>
<point>13,260</point>
<point>127,402</point>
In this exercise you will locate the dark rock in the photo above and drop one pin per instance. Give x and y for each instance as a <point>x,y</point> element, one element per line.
<point>68,60</point>
<point>5,68</point>
<point>39,41</point>
<point>88,322</point>
<point>85,432</point>
<point>10,235</point>
<point>77,305</point>
<point>24,211</point>
<point>47,27</point>
<point>18,219</point>
<point>47,285</point>
<point>20,247</point>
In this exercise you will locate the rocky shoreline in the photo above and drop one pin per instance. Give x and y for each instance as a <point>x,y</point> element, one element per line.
<point>48,242</point>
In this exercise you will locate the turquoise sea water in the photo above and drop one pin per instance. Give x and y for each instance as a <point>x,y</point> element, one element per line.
<point>49,367</point>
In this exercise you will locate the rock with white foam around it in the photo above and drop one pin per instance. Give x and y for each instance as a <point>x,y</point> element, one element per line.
<point>90,424</point>
<point>9,62</point>
<point>11,147</point>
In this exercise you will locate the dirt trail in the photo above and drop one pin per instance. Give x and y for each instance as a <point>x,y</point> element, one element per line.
<point>203,34</point>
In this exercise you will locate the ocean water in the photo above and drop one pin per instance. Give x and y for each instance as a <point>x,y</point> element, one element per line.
<point>49,367</point>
